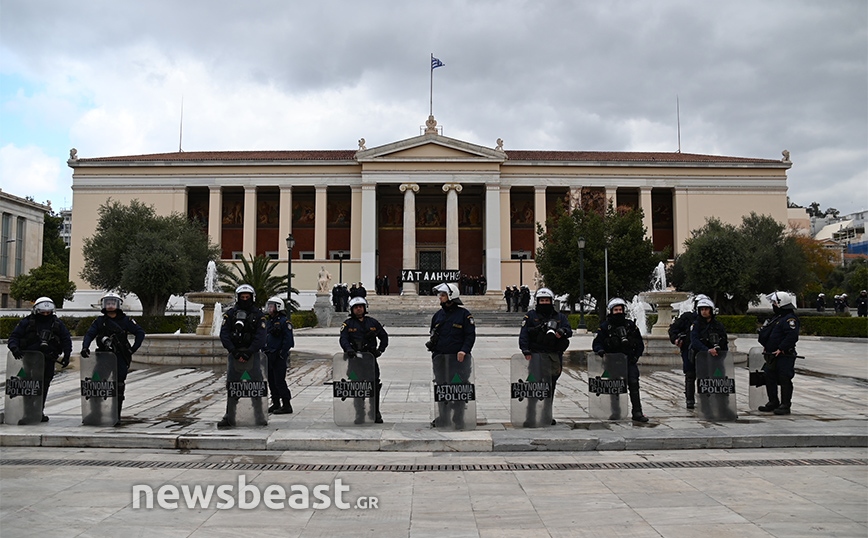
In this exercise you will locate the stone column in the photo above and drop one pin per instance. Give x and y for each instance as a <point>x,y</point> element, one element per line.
<point>249,234</point>
<point>539,214</point>
<point>320,220</point>
<point>611,196</point>
<point>680,219</point>
<point>575,198</point>
<point>505,224</point>
<point>369,236</point>
<point>356,222</point>
<point>452,190</point>
<point>493,239</point>
<point>215,214</point>
<point>284,223</point>
<point>409,262</point>
<point>645,206</point>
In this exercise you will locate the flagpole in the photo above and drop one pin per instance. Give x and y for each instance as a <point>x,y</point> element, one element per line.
<point>431,92</point>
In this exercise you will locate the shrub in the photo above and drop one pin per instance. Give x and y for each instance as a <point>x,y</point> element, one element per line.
<point>303,318</point>
<point>7,325</point>
<point>835,326</point>
<point>739,324</point>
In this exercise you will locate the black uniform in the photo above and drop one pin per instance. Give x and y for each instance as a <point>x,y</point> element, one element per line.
<point>38,332</point>
<point>821,303</point>
<point>452,330</point>
<point>277,345</point>
<point>536,336</point>
<point>617,334</point>
<point>243,341</point>
<point>524,298</point>
<point>365,335</point>
<point>862,305</point>
<point>780,333</point>
<point>507,295</point>
<point>110,334</point>
<point>679,334</point>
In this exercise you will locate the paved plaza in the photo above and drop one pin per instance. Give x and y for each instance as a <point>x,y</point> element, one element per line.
<point>805,474</point>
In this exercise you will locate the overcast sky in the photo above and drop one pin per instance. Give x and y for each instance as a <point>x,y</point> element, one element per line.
<point>753,77</point>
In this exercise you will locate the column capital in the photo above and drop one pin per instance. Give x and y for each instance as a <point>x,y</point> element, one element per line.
<point>452,187</point>
<point>248,188</point>
<point>538,188</point>
<point>409,186</point>
<point>215,188</point>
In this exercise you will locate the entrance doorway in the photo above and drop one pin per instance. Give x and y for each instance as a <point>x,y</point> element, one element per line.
<point>429,260</point>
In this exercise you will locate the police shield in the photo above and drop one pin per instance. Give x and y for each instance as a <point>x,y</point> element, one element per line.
<point>24,388</point>
<point>532,392</point>
<point>247,390</point>
<point>715,386</point>
<point>354,388</point>
<point>99,389</point>
<point>756,378</point>
<point>607,386</point>
<point>454,394</point>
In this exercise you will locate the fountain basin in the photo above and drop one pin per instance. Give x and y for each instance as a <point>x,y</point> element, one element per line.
<point>664,299</point>
<point>208,299</point>
<point>181,350</point>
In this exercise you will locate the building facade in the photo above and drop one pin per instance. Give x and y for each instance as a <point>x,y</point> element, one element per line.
<point>21,224</point>
<point>429,202</point>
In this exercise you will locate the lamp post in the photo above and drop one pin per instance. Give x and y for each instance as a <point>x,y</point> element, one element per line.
<point>520,267</point>
<point>290,243</point>
<point>582,284</point>
<point>340,266</point>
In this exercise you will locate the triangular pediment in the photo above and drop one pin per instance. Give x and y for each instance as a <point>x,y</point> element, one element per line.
<point>430,148</point>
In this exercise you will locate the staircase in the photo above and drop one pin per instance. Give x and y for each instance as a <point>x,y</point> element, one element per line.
<point>416,310</point>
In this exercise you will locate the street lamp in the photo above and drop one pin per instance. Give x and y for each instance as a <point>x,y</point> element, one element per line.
<point>290,243</point>
<point>340,266</point>
<point>582,284</point>
<point>520,268</point>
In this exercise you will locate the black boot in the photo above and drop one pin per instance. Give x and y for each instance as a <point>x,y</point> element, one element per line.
<point>636,403</point>
<point>378,419</point>
<point>285,409</point>
<point>786,400</point>
<point>690,390</point>
<point>228,420</point>
<point>275,405</point>
<point>773,403</point>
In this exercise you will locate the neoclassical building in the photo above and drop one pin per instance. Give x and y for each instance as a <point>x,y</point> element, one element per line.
<point>429,202</point>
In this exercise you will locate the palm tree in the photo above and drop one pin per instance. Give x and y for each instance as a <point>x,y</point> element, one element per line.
<point>258,273</point>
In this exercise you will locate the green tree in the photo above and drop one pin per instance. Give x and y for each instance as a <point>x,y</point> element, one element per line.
<point>734,266</point>
<point>54,250</point>
<point>631,254</point>
<point>134,250</point>
<point>258,272</point>
<point>47,280</point>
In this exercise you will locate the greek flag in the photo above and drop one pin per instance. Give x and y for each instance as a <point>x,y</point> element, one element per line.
<point>435,63</point>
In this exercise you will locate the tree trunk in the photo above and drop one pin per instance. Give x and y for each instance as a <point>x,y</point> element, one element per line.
<point>154,305</point>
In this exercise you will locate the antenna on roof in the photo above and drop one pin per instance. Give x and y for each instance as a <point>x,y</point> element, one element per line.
<point>181,129</point>
<point>678,121</point>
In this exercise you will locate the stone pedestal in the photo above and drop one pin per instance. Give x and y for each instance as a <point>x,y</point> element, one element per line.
<point>208,299</point>
<point>324,309</point>
<point>664,300</point>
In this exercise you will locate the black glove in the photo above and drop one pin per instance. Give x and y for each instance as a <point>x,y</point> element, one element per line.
<point>65,362</point>
<point>601,353</point>
<point>85,353</point>
<point>525,352</point>
<point>376,353</point>
<point>17,353</point>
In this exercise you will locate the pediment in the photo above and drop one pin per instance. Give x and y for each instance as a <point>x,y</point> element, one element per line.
<point>428,148</point>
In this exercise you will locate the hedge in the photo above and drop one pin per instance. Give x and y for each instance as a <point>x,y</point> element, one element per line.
<point>835,326</point>
<point>303,318</point>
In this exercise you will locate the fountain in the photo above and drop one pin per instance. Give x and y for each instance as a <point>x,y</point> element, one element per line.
<point>208,299</point>
<point>663,298</point>
<point>201,349</point>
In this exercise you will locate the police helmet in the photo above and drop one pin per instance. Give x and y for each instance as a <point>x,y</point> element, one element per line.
<point>782,299</point>
<point>358,301</point>
<point>277,301</point>
<point>245,288</point>
<point>843,295</point>
<point>109,298</point>
<point>705,302</point>
<point>823,294</point>
<point>615,302</point>
<point>43,304</point>
<point>544,292</point>
<point>863,292</point>
<point>698,297</point>
<point>451,291</point>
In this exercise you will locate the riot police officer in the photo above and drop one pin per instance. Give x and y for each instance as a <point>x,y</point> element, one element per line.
<point>361,333</point>
<point>110,332</point>
<point>277,345</point>
<point>679,334</point>
<point>545,330</point>
<point>862,304</point>
<point>452,332</point>
<point>524,298</point>
<point>821,302</point>
<point>507,295</point>
<point>42,331</point>
<point>708,333</point>
<point>243,334</point>
<point>617,334</point>
<point>778,338</point>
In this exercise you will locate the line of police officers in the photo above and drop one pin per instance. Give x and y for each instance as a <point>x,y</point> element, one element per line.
<point>246,330</point>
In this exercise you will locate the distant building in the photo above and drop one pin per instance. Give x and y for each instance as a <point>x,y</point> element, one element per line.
<point>20,241</point>
<point>66,228</point>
